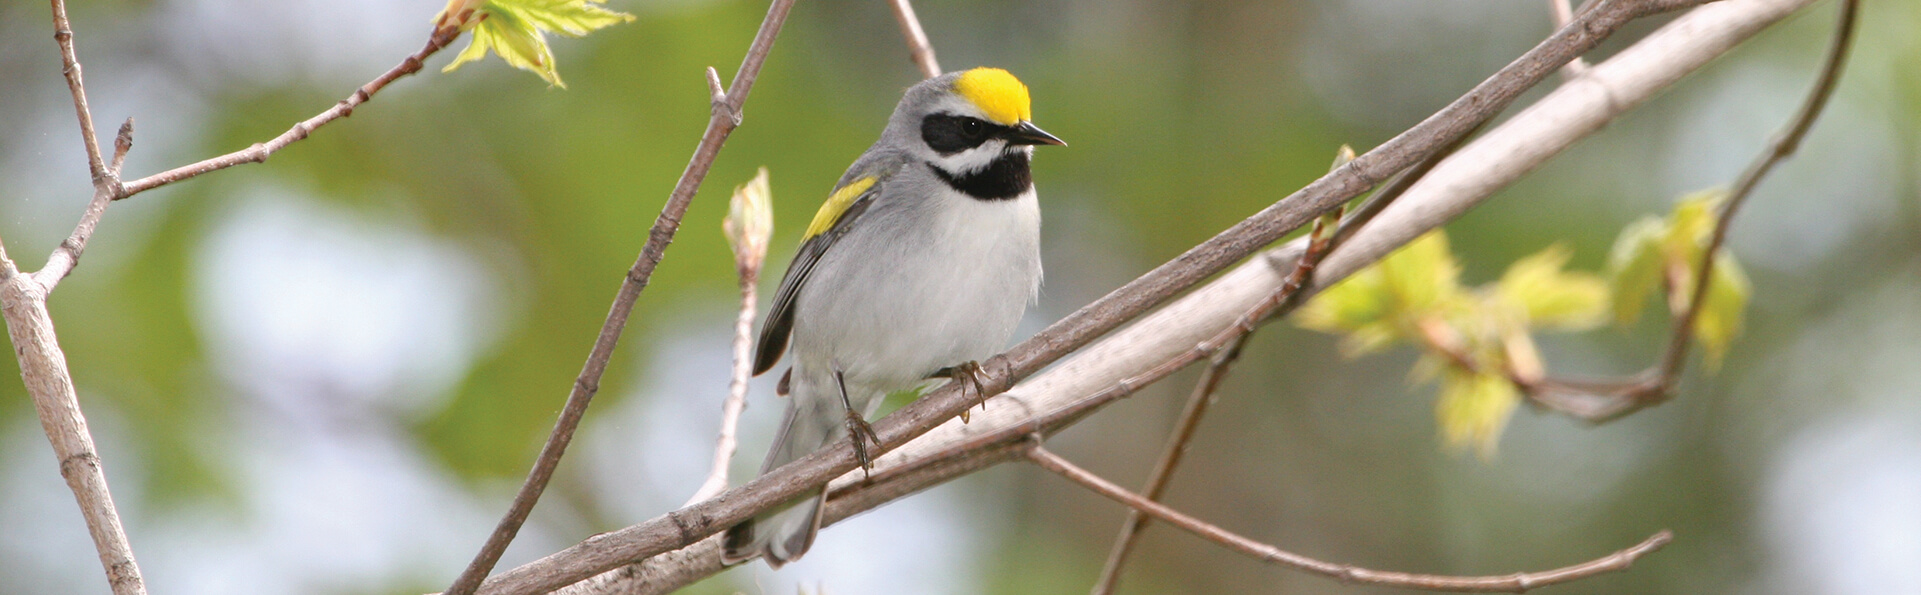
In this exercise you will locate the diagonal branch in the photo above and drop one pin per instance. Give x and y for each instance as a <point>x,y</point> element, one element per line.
<point>1510,583</point>
<point>694,523</point>
<point>725,117</point>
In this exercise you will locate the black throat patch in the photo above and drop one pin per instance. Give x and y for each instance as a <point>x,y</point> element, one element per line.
<point>1007,177</point>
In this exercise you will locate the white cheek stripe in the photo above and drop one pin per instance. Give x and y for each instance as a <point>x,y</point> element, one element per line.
<point>972,160</point>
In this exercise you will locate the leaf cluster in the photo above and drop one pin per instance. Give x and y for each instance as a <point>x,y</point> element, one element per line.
<point>1478,341</point>
<point>516,30</point>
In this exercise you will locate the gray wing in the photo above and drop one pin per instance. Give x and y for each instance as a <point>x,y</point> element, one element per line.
<point>780,320</point>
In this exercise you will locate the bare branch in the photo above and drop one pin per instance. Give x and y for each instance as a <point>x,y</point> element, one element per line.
<point>259,152</point>
<point>1236,291</point>
<point>1510,583</point>
<point>921,51</point>
<point>726,116</point>
<point>43,368</point>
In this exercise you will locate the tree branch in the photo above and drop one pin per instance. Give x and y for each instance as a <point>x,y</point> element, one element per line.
<point>43,367</point>
<point>1234,292</point>
<point>918,47</point>
<point>725,117</point>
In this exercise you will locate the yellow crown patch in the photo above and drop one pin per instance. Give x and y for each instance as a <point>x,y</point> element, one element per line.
<point>997,93</point>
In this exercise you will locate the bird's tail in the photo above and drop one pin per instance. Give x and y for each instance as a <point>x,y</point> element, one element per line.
<point>815,418</point>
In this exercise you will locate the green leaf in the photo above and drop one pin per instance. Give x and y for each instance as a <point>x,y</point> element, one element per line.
<point>1359,306</point>
<point>1375,307</point>
<point>1691,224</point>
<point>1634,267</point>
<point>1473,409</point>
<point>516,30</point>
<point>1423,276</point>
<point>1720,319</point>
<point>1550,297</point>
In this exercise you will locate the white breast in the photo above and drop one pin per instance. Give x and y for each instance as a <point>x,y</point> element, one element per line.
<point>921,284</point>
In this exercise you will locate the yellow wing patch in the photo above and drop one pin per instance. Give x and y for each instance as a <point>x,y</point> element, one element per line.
<point>836,206</point>
<point>997,93</point>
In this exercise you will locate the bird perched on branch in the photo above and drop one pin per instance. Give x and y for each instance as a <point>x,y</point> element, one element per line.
<point>921,262</point>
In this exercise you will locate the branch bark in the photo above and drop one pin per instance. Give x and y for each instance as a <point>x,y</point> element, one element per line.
<point>1046,400</point>
<point>725,117</point>
<point>43,367</point>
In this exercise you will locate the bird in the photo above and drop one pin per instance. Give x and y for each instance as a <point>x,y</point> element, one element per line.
<point>919,264</point>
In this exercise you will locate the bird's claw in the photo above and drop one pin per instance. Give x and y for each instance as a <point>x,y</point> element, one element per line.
<point>970,376</point>
<point>862,434</point>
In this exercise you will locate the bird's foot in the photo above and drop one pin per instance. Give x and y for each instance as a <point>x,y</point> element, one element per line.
<point>863,434</point>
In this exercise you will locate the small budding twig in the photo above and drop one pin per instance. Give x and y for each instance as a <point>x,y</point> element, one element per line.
<point>725,117</point>
<point>1511,583</point>
<point>749,224</point>
<point>918,47</point>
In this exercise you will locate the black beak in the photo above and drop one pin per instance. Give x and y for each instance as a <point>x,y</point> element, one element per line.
<point>1026,133</point>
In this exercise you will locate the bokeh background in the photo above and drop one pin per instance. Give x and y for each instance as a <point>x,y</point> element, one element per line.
<point>326,374</point>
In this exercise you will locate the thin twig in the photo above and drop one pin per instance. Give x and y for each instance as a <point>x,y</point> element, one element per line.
<point>918,47</point>
<point>1564,12</point>
<point>63,34</point>
<point>259,152</point>
<point>1510,583</point>
<point>727,442</point>
<point>691,524</point>
<point>725,117</point>
<point>1602,400</point>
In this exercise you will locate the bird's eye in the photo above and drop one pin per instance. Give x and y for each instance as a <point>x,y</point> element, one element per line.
<point>972,128</point>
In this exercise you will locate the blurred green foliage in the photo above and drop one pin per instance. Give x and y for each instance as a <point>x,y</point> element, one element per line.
<point>1184,117</point>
